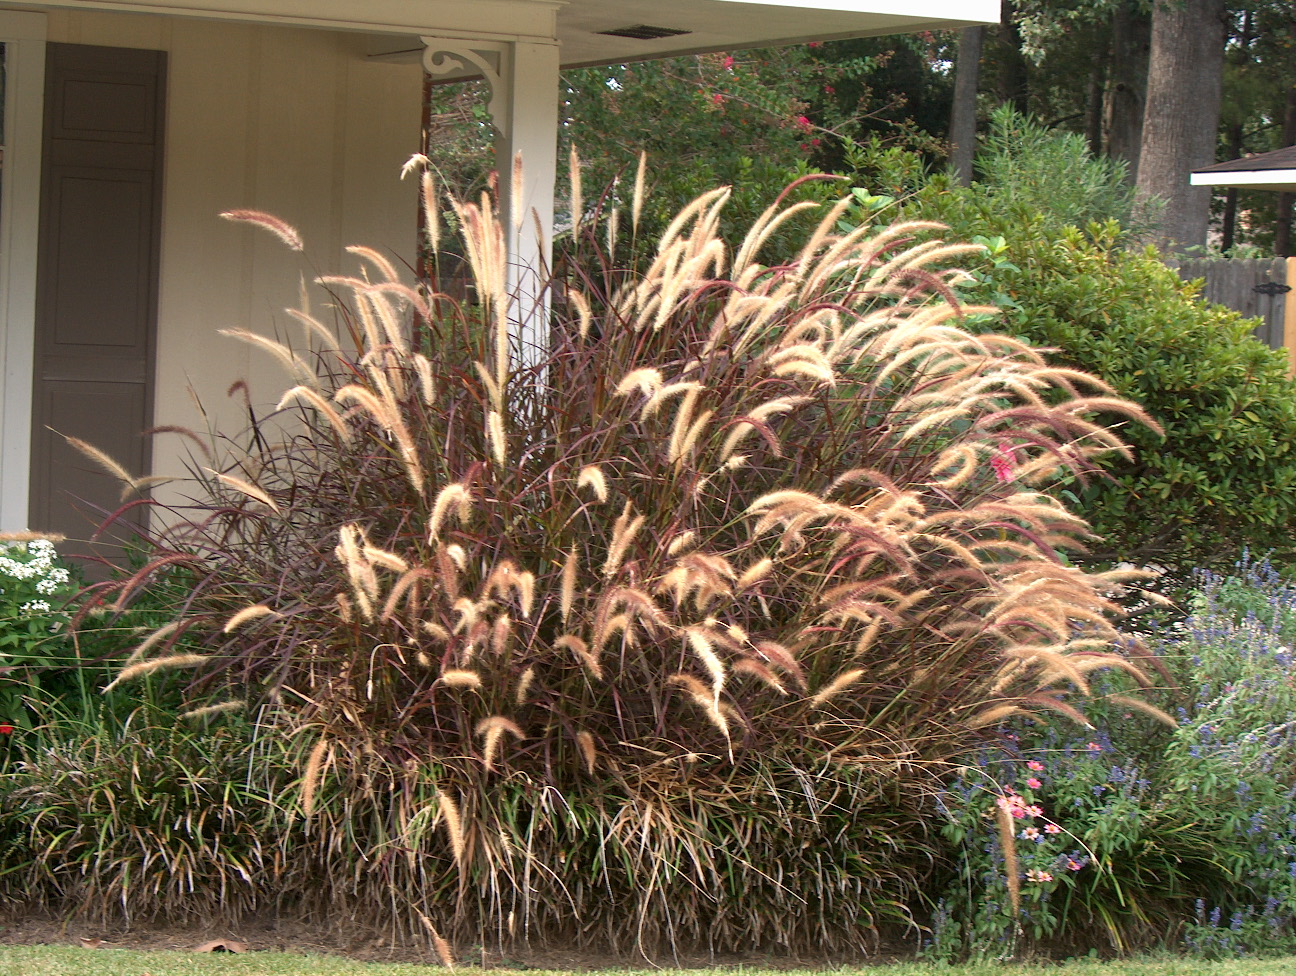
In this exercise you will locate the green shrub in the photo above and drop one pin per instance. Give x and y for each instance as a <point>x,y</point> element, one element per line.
<point>1224,474</point>
<point>693,612</point>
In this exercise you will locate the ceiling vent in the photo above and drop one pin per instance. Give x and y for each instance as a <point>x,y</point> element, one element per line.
<point>643,32</point>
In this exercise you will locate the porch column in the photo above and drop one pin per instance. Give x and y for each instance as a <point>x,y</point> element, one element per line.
<point>523,78</point>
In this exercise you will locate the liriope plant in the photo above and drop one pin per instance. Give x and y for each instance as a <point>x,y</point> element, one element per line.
<point>744,511</point>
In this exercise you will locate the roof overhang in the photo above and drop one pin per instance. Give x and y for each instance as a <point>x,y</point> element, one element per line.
<point>580,26</point>
<point>1266,179</point>
<point>1267,171</point>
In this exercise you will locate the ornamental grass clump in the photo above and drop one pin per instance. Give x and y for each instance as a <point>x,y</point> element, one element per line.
<point>663,634</point>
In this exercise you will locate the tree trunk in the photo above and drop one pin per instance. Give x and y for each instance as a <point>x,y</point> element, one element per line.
<point>1228,228</point>
<point>1181,115</point>
<point>1094,106</point>
<point>963,115</point>
<point>1283,228</point>
<point>1127,78</point>
<point>1014,83</point>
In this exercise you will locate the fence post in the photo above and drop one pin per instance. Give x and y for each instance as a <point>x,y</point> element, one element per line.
<point>1289,317</point>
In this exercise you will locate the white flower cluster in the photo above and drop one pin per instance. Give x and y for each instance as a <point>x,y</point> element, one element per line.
<point>35,562</point>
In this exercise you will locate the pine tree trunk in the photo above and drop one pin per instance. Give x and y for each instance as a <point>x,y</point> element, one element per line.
<point>1283,229</point>
<point>963,115</point>
<point>1127,82</point>
<point>1014,81</point>
<point>1181,117</point>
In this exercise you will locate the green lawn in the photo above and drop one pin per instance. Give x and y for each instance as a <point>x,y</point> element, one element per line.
<point>75,961</point>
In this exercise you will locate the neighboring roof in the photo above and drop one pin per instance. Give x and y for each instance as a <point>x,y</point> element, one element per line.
<point>1268,171</point>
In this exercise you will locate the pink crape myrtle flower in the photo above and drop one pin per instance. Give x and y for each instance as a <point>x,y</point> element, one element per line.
<point>1033,783</point>
<point>1035,765</point>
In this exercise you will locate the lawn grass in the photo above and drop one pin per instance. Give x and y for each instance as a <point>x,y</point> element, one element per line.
<point>75,961</point>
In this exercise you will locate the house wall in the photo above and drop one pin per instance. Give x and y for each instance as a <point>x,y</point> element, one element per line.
<point>294,122</point>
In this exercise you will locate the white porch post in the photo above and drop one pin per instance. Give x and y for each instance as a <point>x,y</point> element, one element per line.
<point>23,35</point>
<point>523,76</point>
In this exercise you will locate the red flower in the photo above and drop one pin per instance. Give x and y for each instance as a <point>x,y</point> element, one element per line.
<point>718,98</point>
<point>6,728</point>
<point>803,123</point>
<point>729,61</point>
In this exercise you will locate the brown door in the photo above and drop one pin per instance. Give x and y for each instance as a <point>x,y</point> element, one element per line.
<point>96,306</point>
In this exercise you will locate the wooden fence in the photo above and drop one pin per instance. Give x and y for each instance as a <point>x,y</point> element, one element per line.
<point>1257,289</point>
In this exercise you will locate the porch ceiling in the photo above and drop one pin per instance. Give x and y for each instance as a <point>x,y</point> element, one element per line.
<point>579,25</point>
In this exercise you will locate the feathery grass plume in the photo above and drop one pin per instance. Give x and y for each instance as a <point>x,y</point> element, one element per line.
<point>448,810</point>
<point>442,947</point>
<point>492,729</point>
<point>589,752</point>
<point>458,678</point>
<point>838,685</point>
<point>132,671</point>
<point>290,361</point>
<point>1147,708</point>
<point>281,229</point>
<point>624,530</point>
<point>153,639</point>
<point>524,687</point>
<point>577,203</point>
<point>386,270</point>
<point>254,612</point>
<point>591,477</point>
<point>311,776</point>
<point>1008,844</point>
<point>454,499</point>
<point>578,647</point>
<point>495,436</point>
<point>431,209</point>
<point>640,187</point>
<point>28,536</point>
<point>325,408</point>
<point>103,460</point>
<point>247,488</point>
<point>567,591</point>
<point>517,193</point>
<point>208,711</point>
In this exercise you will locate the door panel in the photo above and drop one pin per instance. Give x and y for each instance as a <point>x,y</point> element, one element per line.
<point>96,310</point>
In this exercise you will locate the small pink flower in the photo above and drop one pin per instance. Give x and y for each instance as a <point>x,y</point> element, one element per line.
<point>1052,829</point>
<point>1035,765</point>
<point>1033,783</point>
<point>1038,876</point>
<point>829,90</point>
<point>1030,833</point>
<point>815,44</point>
<point>1073,864</point>
<point>804,124</point>
<point>1014,804</point>
<point>729,62</point>
<point>718,98</point>
<point>1093,747</point>
<point>1034,811</point>
<point>1004,460</point>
